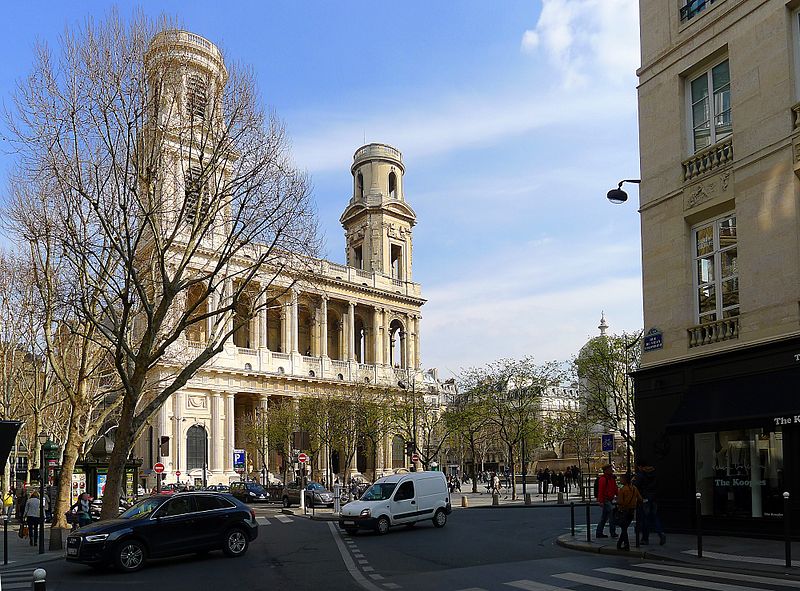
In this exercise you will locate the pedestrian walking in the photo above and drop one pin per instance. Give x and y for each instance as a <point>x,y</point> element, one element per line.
<point>495,484</point>
<point>80,512</point>
<point>8,503</point>
<point>628,501</point>
<point>32,515</point>
<point>606,493</point>
<point>19,507</point>
<point>648,520</point>
<point>539,479</point>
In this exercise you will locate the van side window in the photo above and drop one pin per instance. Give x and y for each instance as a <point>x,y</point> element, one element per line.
<point>406,491</point>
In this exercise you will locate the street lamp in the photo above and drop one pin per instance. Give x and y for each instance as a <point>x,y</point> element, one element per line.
<point>618,196</point>
<point>42,477</point>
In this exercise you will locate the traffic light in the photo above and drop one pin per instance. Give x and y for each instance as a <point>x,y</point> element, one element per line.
<point>163,448</point>
<point>410,448</point>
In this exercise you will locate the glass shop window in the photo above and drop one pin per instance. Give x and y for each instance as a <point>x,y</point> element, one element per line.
<point>740,473</point>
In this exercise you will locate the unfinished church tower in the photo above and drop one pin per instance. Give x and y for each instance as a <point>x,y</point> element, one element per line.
<point>378,221</point>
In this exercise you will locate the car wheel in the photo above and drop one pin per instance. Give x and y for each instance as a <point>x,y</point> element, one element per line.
<point>236,543</point>
<point>130,556</point>
<point>286,502</point>
<point>351,530</point>
<point>382,527</point>
<point>440,518</point>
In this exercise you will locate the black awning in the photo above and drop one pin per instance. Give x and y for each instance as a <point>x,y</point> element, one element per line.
<point>737,401</point>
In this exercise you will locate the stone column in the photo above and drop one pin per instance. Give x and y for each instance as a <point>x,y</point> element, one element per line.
<point>407,343</point>
<point>376,336</point>
<point>387,338</point>
<point>263,401</point>
<point>285,337</point>
<point>177,431</point>
<point>217,436</point>
<point>212,306</point>
<point>295,322</point>
<point>262,321</point>
<point>351,331</point>
<point>324,327</point>
<point>229,430</point>
<point>417,356</point>
<point>226,300</point>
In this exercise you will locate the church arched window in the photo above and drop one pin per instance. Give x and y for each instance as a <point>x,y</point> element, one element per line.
<point>196,195</point>
<point>196,454</point>
<point>360,185</point>
<point>392,185</point>
<point>196,96</point>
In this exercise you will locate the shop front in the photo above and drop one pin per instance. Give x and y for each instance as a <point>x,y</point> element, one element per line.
<point>728,427</point>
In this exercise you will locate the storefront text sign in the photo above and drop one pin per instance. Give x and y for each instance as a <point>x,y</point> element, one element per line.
<point>725,482</point>
<point>790,420</point>
<point>653,340</point>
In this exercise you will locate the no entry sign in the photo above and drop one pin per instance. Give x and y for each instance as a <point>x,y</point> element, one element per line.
<point>158,468</point>
<point>415,458</point>
<point>302,458</point>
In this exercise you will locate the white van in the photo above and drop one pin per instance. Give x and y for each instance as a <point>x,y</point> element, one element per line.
<point>399,499</point>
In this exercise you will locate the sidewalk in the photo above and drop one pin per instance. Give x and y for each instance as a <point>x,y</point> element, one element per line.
<point>21,553</point>
<point>726,552</point>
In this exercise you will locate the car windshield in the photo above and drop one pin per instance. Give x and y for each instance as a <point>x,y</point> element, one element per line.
<point>256,488</point>
<point>379,491</point>
<point>315,486</point>
<point>142,509</point>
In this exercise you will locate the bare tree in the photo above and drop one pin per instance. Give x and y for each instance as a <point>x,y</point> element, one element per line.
<point>178,210</point>
<point>602,369</point>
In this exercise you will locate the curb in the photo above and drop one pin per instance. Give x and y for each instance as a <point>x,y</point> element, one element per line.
<point>24,562</point>
<point>516,505</point>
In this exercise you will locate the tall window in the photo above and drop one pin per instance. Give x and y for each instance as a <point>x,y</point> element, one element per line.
<point>398,452</point>
<point>196,96</point>
<point>392,185</point>
<point>711,106</point>
<point>360,185</point>
<point>692,7</point>
<point>195,447</point>
<point>716,270</point>
<point>196,195</point>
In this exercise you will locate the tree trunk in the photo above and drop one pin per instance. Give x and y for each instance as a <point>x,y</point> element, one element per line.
<point>474,465</point>
<point>72,448</point>
<point>513,473</point>
<point>123,442</point>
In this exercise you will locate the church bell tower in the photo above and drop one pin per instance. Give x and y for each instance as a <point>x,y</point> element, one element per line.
<point>378,221</point>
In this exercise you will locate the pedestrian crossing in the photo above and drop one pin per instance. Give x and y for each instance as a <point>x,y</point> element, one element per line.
<point>279,518</point>
<point>651,577</point>
<point>19,578</point>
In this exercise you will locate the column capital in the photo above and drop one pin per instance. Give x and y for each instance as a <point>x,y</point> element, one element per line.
<point>351,303</point>
<point>324,297</point>
<point>378,309</point>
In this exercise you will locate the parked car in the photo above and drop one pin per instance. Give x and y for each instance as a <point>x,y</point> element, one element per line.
<point>249,492</point>
<point>399,499</point>
<point>166,525</point>
<point>218,487</point>
<point>316,495</point>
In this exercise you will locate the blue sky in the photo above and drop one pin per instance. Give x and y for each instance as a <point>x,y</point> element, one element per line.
<point>514,119</point>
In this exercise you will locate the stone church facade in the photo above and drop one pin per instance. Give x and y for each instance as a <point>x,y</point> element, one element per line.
<point>341,325</point>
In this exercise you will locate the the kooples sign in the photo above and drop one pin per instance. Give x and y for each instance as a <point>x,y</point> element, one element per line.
<point>790,420</point>
<point>725,482</point>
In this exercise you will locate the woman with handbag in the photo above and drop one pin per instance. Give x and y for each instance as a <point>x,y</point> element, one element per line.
<point>628,499</point>
<point>32,516</point>
<point>80,512</point>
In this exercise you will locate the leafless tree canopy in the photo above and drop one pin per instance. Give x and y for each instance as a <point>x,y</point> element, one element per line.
<point>148,198</point>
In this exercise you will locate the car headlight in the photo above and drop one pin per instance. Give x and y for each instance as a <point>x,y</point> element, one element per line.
<point>96,538</point>
<point>366,513</point>
<point>252,494</point>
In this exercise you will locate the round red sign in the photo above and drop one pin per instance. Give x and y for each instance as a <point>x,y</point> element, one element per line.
<point>415,458</point>
<point>302,458</point>
<point>158,468</point>
<point>177,472</point>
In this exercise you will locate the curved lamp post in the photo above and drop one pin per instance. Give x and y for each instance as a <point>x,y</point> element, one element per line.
<point>618,196</point>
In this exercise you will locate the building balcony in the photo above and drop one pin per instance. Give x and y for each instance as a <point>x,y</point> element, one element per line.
<point>713,332</point>
<point>368,279</point>
<point>708,159</point>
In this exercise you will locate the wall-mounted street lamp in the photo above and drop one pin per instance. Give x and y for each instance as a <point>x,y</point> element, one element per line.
<point>618,196</point>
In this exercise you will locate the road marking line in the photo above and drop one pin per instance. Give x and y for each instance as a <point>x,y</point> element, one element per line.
<point>264,521</point>
<point>368,569</point>
<point>376,577</point>
<point>348,562</point>
<point>391,585</point>
<point>26,585</point>
<point>363,561</point>
<point>528,586</point>
<point>737,558</point>
<point>598,582</point>
<point>283,518</point>
<point>675,580</point>
<point>721,575</point>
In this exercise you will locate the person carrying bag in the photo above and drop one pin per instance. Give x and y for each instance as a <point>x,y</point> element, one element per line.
<point>628,500</point>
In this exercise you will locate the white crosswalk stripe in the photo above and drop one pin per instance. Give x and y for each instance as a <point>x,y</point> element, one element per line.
<point>534,586</point>
<point>16,579</point>
<point>604,583</point>
<point>721,575</point>
<point>284,518</point>
<point>705,584</point>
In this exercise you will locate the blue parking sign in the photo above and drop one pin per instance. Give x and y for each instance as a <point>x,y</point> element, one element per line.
<point>238,459</point>
<point>608,441</point>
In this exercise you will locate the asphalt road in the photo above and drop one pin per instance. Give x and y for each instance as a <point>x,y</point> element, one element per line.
<point>478,550</point>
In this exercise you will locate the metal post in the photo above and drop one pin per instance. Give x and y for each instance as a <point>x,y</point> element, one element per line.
<point>524,471</point>
<point>39,583</point>
<point>588,522</point>
<point>786,530</point>
<point>5,539</point>
<point>572,517</point>
<point>699,517</point>
<point>205,458</point>
<point>42,478</point>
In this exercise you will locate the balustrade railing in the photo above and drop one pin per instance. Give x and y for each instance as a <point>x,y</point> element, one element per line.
<point>281,356</point>
<point>708,159</point>
<point>246,351</point>
<point>714,332</point>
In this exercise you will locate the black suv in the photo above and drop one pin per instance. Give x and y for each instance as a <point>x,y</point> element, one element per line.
<point>249,492</point>
<point>166,525</point>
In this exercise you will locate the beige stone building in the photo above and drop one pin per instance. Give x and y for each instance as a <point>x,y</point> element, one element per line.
<point>717,393</point>
<point>340,325</point>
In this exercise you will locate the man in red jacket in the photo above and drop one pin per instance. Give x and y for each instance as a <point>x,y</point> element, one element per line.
<point>606,492</point>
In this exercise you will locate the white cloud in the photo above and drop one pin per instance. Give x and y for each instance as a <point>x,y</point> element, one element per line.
<point>587,41</point>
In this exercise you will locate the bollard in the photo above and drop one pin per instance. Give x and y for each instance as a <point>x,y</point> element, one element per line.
<point>528,500</point>
<point>5,539</point>
<point>560,498</point>
<point>495,500</point>
<point>588,522</point>
<point>572,517</point>
<point>464,501</point>
<point>786,530</point>
<point>699,516</point>
<point>39,583</point>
